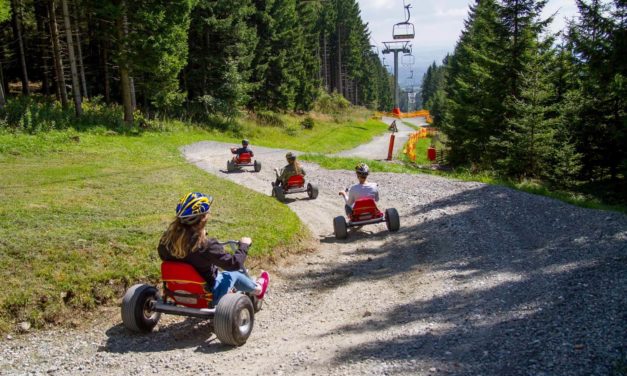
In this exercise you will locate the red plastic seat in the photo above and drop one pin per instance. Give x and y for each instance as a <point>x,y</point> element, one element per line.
<point>365,209</point>
<point>244,158</point>
<point>184,285</point>
<point>296,181</point>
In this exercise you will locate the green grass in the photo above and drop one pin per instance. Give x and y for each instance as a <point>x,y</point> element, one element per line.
<point>574,198</point>
<point>82,213</point>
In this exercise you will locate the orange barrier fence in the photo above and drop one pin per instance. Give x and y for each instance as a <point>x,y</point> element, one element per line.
<point>421,113</point>
<point>410,146</point>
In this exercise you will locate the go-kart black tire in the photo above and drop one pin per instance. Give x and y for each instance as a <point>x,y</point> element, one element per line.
<point>136,313</point>
<point>234,319</point>
<point>278,193</point>
<point>392,221</point>
<point>340,228</point>
<point>230,166</point>
<point>257,166</point>
<point>312,191</point>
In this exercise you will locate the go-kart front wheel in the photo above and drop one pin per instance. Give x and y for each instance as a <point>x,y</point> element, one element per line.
<point>340,228</point>
<point>234,319</point>
<point>257,166</point>
<point>392,220</point>
<point>312,191</point>
<point>136,313</point>
<point>230,166</point>
<point>278,193</point>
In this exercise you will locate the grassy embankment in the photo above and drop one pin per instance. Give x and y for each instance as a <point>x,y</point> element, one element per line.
<point>81,213</point>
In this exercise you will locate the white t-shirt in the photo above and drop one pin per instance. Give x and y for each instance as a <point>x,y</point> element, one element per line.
<point>362,190</point>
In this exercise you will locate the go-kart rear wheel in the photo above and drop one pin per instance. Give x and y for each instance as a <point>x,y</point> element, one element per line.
<point>392,221</point>
<point>257,166</point>
<point>279,193</point>
<point>234,319</point>
<point>340,227</point>
<point>312,191</point>
<point>136,313</point>
<point>230,166</point>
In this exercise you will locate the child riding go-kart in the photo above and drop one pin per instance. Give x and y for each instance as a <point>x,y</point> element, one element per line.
<point>243,158</point>
<point>184,293</point>
<point>361,208</point>
<point>365,212</point>
<point>291,179</point>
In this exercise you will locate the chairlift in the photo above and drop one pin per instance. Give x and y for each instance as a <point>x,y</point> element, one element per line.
<point>408,59</point>
<point>404,30</point>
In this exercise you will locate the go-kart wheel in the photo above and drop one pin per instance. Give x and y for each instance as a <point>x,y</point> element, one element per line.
<point>136,313</point>
<point>234,319</point>
<point>279,193</point>
<point>392,221</point>
<point>257,166</point>
<point>340,228</point>
<point>312,191</point>
<point>230,166</point>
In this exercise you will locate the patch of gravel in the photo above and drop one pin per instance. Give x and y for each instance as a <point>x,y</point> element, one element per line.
<point>480,280</point>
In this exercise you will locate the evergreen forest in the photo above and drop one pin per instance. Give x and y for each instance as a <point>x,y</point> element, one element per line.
<point>189,58</point>
<point>519,101</point>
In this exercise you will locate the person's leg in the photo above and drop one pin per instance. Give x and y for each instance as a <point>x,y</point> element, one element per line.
<point>223,284</point>
<point>348,210</point>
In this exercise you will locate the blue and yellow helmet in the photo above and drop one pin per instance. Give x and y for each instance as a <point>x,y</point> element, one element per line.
<point>192,206</point>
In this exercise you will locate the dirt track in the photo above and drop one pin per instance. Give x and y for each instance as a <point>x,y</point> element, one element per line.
<point>480,280</point>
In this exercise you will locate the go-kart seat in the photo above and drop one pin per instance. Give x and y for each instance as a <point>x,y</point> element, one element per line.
<point>365,209</point>
<point>244,158</point>
<point>296,181</point>
<point>183,284</point>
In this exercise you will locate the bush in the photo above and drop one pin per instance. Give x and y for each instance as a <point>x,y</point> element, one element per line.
<point>269,118</point>
<point>334,103</point>
<point>308,123</point>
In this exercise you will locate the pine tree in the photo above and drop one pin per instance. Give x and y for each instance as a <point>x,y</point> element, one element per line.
<point>221,47</point>
<point>474,91</point>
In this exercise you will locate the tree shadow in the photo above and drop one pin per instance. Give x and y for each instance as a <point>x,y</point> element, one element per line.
<point>528,288</point>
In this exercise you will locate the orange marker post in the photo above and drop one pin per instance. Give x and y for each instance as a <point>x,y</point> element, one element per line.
<point>391,149</point>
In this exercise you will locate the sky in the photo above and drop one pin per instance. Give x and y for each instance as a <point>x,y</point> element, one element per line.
<point>438,24</point>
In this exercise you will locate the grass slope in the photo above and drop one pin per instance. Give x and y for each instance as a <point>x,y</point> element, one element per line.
<point>82,213</point>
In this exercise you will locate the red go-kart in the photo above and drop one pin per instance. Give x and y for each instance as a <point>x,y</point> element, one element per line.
<point>184,293</point>
<point>242,160</point>
<point>365,212</point>
<point>295,184</point>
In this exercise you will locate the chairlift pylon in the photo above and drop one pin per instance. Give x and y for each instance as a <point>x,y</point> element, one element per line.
<point>404,30</point>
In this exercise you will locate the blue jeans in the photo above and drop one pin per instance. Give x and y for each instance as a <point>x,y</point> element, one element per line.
<point>225,281</point>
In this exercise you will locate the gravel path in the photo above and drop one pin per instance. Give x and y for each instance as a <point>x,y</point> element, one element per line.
<point>480,280</point>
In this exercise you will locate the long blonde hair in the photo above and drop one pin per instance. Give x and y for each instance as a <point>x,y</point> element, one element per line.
<point>182,239</point>
<point>297,168</point>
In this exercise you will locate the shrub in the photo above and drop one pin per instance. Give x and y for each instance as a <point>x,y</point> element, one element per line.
<point>269,118</point>
<point>334,103</point>
<point>308,123</point>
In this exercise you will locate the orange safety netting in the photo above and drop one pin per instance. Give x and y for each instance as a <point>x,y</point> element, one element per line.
<point>410,146</point>
<point>403,115</point>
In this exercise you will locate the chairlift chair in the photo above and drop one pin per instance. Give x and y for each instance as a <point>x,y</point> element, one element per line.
<point>408,59</point>
<point>404,30</point>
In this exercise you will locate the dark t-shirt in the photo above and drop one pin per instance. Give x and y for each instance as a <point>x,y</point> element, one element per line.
<point>208,257</point>
<point>241,150</point>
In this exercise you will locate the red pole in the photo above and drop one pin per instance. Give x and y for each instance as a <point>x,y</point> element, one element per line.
<point>391,149</point>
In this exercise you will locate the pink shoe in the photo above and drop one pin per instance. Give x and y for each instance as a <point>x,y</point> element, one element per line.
<point>264,281</point>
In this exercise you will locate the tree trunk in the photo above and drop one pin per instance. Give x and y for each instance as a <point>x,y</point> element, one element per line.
<point>81,65</point>
<point>56,52</point>
<point>107,79</point>
<point>40,15</point>
<point>339,60</point>
<point>125,82</point>
<point>3,100</point>
<point>17,32</point>
<point>76,86</point>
